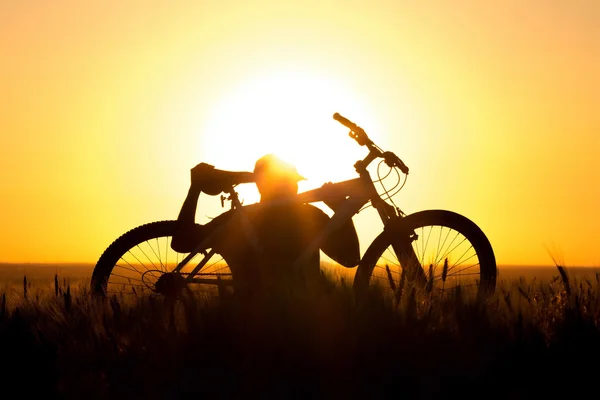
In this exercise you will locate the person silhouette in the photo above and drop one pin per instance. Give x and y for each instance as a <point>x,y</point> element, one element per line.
<point>283,229</point>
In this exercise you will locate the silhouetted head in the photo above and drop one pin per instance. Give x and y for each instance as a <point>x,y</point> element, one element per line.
<point>275,178</point>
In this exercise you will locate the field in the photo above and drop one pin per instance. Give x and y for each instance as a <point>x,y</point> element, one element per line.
<point>538,337</point>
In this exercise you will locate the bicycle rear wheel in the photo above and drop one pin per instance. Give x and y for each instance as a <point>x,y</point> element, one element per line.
<point>141,261</point>
<point>446,251</point>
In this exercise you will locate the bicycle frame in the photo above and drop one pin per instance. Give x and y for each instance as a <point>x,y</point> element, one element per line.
<point>400,231</point>
<point>358,192</point>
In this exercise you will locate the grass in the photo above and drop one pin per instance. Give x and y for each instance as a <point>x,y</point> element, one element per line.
<point>532,339</point>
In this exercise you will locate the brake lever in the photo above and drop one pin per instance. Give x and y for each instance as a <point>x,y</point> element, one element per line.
<point>361,137</point>
<point>393,160</point>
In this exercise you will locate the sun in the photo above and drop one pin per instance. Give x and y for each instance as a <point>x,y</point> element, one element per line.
<point>288,113</point>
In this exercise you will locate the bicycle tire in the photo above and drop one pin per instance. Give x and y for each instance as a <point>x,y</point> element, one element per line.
<point>416,222</point>
<point>146,241</point>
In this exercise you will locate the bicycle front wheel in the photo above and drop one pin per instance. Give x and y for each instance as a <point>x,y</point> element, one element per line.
<point>141,261</point>
<point>446,251</point>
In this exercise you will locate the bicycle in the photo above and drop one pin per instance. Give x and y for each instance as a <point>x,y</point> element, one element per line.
<point>436,250</point>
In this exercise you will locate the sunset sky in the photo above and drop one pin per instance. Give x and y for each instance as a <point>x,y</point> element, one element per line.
<point>106,105</point>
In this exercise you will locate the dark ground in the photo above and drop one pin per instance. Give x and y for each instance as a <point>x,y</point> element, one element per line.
<point>532,340</point>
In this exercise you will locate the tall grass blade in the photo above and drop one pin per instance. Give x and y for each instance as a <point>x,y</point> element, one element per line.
<point>400,290</point>
<point>429,286</point>
<point>565,278</point>
<point>445,270</point>
<point>68,300</point>
<point>390,278</point>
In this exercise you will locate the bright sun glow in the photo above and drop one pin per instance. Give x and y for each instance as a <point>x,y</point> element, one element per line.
<point>289,114</point>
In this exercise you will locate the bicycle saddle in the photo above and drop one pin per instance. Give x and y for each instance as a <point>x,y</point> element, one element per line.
<point>220,180</point>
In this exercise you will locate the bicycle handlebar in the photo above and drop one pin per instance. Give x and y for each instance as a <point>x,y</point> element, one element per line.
<point>357,133</point>
<point>347,123</point>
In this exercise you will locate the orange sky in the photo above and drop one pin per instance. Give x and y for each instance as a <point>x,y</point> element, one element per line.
<point>106,105</point>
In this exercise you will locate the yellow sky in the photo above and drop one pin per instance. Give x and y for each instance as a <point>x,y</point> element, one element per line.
<point>106,105</point>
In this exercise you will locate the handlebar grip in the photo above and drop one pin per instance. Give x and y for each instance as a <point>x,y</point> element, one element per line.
<point>347,123</point>
<point>403,167</point>
<point>356,132</point>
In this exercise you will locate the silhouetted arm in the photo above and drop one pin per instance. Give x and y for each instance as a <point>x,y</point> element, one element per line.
<point>188,232</point>
<point>187,215</point>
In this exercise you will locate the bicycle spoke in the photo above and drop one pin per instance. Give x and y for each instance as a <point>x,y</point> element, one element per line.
<point>448,260</point>
<point>144,253</point>
<point>391,262</point>
<point>139,268</point>
<point>128,269</point>
<point>138,271</point>
<point>163,268</point>
<point>213,264</point>
<point>221,269</point>
<point>384,269</point>
<point>463,261</point>
<point>437,261</point>
<point>439,239</point>
<point>126,277</point>
<point>390,250</point>
<point>138,260</point>
<point>442,246</point>
<point>129,284</point>
<point>416,246</point>
<point>167,252</point>
<point>426,244</point>
<point>466,268</point>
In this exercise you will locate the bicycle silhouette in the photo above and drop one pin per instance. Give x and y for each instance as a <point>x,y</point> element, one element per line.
<point>436,250</point>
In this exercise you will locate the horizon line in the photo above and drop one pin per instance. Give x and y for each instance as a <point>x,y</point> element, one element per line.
<point>90,263</point>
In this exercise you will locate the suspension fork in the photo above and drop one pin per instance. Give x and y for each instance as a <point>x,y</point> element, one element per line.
<point>401,240</point>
